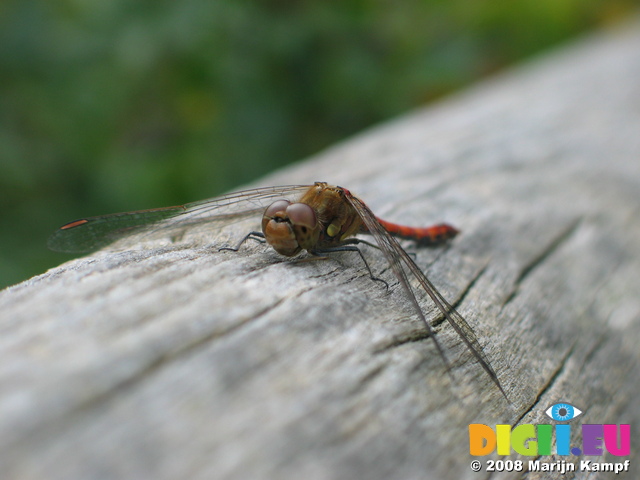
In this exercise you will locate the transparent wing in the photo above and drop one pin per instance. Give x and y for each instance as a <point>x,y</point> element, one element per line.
<point>92,233</point>
<point>398,259</point>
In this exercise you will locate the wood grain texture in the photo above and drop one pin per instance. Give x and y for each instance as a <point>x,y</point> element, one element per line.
<point>174,360</point>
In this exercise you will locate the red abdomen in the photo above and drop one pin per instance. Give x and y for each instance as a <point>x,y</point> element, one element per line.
<point>425,235</point>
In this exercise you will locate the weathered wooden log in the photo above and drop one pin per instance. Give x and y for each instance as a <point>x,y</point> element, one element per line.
<point>172,360</point>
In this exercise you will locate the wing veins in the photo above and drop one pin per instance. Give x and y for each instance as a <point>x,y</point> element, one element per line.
<point>457,321</point>
<point>99,231</point>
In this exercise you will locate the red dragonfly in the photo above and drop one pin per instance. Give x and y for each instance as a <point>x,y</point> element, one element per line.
<point>318,218</point>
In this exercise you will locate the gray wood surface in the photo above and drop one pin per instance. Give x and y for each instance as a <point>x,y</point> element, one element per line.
<point>174,361</point>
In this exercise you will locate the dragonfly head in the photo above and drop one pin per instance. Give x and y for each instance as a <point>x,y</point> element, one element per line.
<point>290,227</point>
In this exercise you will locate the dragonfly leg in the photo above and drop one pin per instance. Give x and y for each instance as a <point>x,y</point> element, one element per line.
<point>357,241</point>
<point>350,246</point>
<point>257,236</point>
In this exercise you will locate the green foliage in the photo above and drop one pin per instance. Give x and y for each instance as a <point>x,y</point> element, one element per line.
<point>120,105</point>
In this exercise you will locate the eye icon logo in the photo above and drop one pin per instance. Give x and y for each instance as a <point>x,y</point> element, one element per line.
<point>563,412</point>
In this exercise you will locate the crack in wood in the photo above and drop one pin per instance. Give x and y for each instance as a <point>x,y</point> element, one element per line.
<point>462,295</point>
<point>538,260</point>
<point>419,336</point>
<point>548,385</point>
<point>366,379</point>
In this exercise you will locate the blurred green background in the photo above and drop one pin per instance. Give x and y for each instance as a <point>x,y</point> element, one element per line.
<point>118,105</point>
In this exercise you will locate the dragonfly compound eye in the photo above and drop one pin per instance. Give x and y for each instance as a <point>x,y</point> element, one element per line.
<point>276,207</point>
<point>304,224</point>
<point>301,215</point>
<point>278,230</point>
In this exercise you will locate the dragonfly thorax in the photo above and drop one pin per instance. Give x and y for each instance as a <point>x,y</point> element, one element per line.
<point>290,227</point>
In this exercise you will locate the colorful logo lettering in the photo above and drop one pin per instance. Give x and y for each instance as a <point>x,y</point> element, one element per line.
<point>536,440</point>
